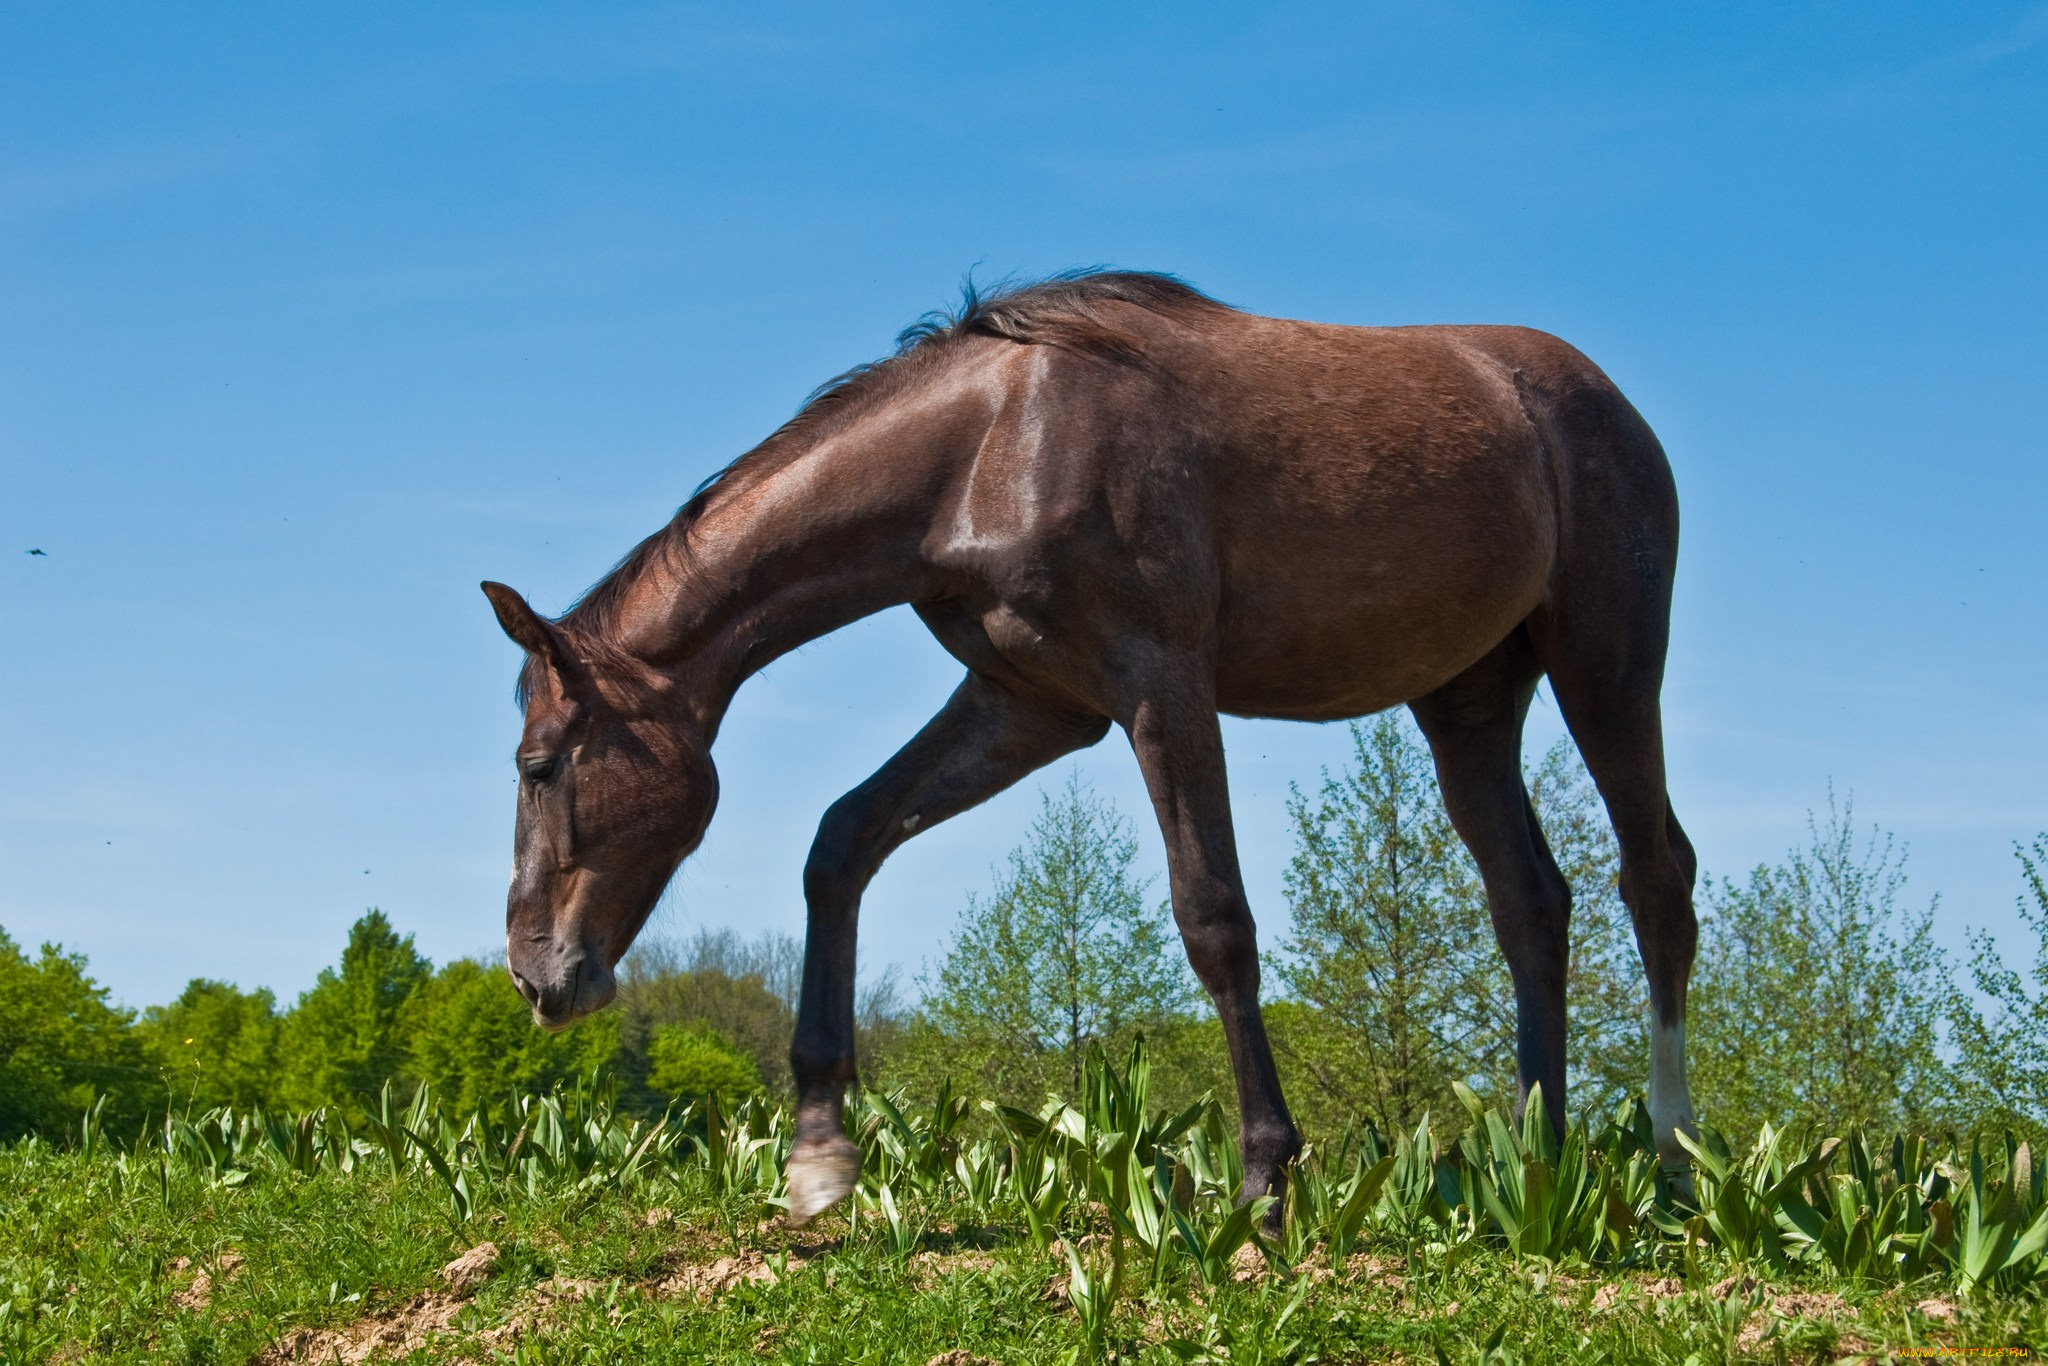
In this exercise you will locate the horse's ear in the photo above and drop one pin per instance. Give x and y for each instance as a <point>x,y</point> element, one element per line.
<point>529,628</point>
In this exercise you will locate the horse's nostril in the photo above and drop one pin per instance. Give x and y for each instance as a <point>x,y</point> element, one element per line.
<point>526,988</point>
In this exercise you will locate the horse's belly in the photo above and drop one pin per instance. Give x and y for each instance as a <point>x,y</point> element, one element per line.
<point>1370,624</point>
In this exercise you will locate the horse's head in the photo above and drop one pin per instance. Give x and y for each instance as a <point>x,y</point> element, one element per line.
<point>615,789</point>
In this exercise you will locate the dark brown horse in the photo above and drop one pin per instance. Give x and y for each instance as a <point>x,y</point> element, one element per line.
<point>1115,500</point>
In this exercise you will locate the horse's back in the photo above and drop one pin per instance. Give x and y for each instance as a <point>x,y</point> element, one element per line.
<point>1351,516</point>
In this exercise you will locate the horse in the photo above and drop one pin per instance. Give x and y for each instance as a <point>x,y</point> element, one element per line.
<point>1118,501</point>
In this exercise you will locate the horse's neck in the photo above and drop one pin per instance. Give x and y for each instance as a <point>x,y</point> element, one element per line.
<point>780,558</point>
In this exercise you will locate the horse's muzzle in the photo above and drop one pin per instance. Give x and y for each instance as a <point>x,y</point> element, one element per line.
<point>578,985</point>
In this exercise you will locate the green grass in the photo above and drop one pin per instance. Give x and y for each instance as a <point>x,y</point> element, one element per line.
<point>625,1241</point>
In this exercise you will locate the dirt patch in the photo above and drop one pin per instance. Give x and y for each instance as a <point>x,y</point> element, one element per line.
<point>929,1266</point>
<point>1795,1304</point>
<point>1802,1304</point>
<point>711,1279</point>
<point>1734,1285</point>
<point>471,1269</point>
<point>956,1357</point>
<point>1374,1269</point>
<point>1940,1310</point>
<point>395,1332</point>
<point>198,1293</point>
<point>195,1296</point>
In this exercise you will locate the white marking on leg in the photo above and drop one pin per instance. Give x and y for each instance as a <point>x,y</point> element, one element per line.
<point>910,822</point>
<point>1670,1101</point>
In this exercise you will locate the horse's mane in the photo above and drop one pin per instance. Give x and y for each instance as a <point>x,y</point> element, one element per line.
<point>1060,310</point>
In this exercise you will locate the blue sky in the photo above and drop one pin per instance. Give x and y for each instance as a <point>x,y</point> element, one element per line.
<point>313,316</point>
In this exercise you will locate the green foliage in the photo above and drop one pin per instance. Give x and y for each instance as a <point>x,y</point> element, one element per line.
<point>2000,1032</point>
<point>1389,944</point>
<point>468,1032</point>
<point>63,1047</point>
<point>344,1040</point>
<point>1512,1243</point>
<point>687,1060</point>
<point>1817,996</point>
<point>215,1044</point>
<point>1399,989</point>
<point>744,991</point>
<point>1066,953</point>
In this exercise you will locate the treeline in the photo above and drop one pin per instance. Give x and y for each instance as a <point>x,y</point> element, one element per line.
<point>1819,995</point>
<point>711,1015</point>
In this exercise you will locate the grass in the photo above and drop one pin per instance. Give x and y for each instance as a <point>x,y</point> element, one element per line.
<point>1090,1232</point>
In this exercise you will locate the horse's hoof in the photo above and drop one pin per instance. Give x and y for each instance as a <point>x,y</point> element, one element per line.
<point>820,1175</point>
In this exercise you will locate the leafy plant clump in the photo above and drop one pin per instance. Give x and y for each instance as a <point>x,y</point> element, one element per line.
<point>1095,1228</point>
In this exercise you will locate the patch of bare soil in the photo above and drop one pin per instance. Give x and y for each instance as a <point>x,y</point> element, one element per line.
<point>394,1332</point>
<point>471,1269</point>
<point>1941,1310</point>
<point>927,1267</point>
<point>1803,1304</point>
<point>716,1278</point>
<point>198,1292</point>
<point>1374,1269</point>
<point>197,1295</point>
<point>1794,1304</point>
<point>956,1357</point>
<point>1734,1285</point>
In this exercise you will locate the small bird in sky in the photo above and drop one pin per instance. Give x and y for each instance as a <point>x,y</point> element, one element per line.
<point>44,553</point>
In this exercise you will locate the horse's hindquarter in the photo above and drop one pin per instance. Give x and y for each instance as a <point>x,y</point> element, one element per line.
<point>1384,514</point>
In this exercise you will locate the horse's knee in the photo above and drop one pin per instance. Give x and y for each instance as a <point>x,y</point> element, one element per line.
<point>835,869</point>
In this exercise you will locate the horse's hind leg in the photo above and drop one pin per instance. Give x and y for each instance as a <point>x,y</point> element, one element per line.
<point>1474,728</point>
<point>1604,653</point>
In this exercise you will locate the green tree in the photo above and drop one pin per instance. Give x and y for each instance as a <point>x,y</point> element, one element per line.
<point>1818,996</point>
<point>344,1039</point>
<point>1396,982</point>
<point>216,1044</point>
<point>690,1060</point>
<point>470,1035</point>
<point>62,1046</point>
<point>2001,1053</point>
<point>1390,954</point>
<point>742,990</point>
<point>1065,952</point>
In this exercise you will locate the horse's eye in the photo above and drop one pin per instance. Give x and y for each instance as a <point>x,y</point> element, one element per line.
<point>540,771</point>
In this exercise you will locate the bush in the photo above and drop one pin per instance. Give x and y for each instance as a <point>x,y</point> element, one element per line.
<point>686,1060</point>
<point>471,1036</point>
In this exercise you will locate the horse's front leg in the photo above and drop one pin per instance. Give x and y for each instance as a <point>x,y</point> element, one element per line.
<point>983,740</point>
<point>1171,718</point>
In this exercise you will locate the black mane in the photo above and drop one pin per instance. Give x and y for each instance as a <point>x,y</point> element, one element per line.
<point>1060,310</point>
